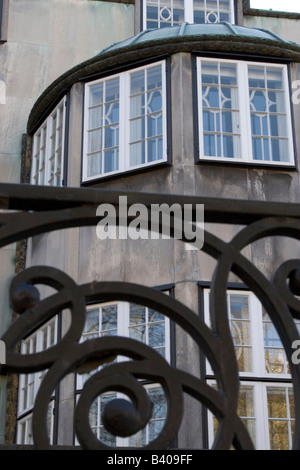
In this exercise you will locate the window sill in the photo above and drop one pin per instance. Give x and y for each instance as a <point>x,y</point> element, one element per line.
<point>246,164</point>
<point>125,173</point>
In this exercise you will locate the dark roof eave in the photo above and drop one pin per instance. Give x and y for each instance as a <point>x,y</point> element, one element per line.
<point>120,56</point>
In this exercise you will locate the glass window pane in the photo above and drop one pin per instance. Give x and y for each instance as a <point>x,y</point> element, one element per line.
<point>96,94</point>
<point>277,406</point>
<point>137,82</point>
<point>157,335</point>
<point>137,130</point>
<point>154,78</point>
<point>109,319</point>
<point>137,314</point>
<point>279,435</point>
<point>137,154</point>
<point>275,361</point>
<point>155,149</point>
<point>239,307</point>
<point>268,113</point>
<point>94,164</point>
<point>219,95</point>
<point>112,90</point>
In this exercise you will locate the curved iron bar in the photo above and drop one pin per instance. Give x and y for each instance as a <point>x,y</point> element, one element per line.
<point>74,208</point>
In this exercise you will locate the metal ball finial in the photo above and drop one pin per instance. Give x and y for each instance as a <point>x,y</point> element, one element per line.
<point>24,296</point>
<point>121,418</point>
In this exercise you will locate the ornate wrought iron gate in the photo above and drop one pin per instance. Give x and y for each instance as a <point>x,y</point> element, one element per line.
<point>28,211</point>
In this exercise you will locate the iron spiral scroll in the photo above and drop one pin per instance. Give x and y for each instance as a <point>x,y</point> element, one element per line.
<point>71,208</point>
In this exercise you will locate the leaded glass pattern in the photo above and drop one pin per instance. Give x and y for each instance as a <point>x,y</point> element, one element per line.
<point>268,113</point>
<point>165,13</point>
<point>103,131</point>
<point>244,112</point>
<point>213,11</point>
<point>220,110</point>
<point>125,121</point>
<point>146,120</point>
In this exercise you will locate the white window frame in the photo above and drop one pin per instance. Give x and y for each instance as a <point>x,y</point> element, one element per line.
<point>189,11</point>
<point>124,122</point>
<point>261,415</point>
<point>244,114</point>
<point>41,173</point>
<point>35,342</point>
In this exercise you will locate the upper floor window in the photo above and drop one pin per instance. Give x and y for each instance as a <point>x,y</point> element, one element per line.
<point>125,122</point>
<point>165,13</point>
<point>244,112</point>
<point>48,149</point>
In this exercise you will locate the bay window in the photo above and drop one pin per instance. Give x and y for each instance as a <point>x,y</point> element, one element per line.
<point>125,122</point>
<point>48,149</point>
<point>165,13</point>
<point>244,112</point>
<point>266,403</point>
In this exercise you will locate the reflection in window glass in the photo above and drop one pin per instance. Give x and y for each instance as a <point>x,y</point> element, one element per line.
<point>281,417</point>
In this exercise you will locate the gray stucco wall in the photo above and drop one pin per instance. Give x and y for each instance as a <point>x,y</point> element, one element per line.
<point>43,39</point>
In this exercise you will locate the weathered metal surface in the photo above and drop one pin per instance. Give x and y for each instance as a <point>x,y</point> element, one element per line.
<point>40,210</point>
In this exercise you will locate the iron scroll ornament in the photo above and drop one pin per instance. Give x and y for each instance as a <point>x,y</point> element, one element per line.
<point>70,208</point>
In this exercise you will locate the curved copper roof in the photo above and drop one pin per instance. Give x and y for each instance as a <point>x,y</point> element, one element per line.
<point>207,38</point>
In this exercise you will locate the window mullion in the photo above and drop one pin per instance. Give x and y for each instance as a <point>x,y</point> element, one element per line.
<point>47,150</point>
<point>232,12</point>
<point>244,105</point>
<point>189,11</point>
<point>85,133</point>
<point>200,112</point>
<point>257,335</point>
<point>63,128</point>
<point>288,113</point>
<point>124,121</point>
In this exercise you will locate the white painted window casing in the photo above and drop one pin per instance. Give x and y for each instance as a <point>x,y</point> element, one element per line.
<point>244,113</point>
<point>125,125</point>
